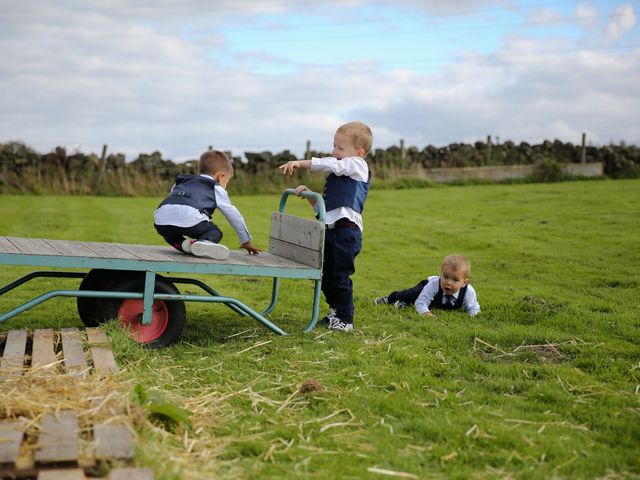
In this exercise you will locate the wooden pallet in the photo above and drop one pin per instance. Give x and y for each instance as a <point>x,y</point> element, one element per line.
<point>58,445</point>
<point>46,347</point>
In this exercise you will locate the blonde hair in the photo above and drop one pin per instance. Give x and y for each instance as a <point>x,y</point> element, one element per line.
<point>457,262</point>
<point>214,161</point>
<point>359,134</point>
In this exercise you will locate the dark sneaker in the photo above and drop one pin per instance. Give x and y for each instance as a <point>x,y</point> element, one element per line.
<point>400,305</point>
<point>381,301</point>
<point>337,324</point>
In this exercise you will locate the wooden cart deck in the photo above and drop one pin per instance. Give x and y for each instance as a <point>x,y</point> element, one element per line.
<point>39,252</point>
<point>295,251</point>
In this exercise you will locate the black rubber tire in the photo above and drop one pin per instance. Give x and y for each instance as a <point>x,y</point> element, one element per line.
<point>99,279</point>
<point>172,312</point>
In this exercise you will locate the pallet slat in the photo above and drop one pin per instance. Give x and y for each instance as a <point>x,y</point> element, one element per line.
<point>11,433</point>
<point>75,361</point>
<point>13,357</point>
<point>131,473</point>
<point>62,474</point>
<point>58,439</point>
<point>126,473</point>
<point>103,360</point>
<point>113,441</point>
<point>43,353</point>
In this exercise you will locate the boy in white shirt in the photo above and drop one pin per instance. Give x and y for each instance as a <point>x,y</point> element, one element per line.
<point>345,192</point>
<point>183,219</point>
<point>450,290</point>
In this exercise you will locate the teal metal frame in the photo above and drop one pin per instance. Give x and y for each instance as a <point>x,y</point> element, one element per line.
<point>150,270</point>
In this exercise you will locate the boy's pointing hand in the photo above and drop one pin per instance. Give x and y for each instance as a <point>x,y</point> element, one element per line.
<point>289,167</point>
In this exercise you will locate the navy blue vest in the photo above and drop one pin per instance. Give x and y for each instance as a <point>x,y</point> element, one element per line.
<point>343,191</point>
<point>195,191</point>
<point>437,300</point>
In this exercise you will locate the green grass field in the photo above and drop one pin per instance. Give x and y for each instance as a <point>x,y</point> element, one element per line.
<point>544,383</point>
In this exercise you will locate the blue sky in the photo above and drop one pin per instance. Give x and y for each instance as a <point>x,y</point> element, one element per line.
<point>247,75</point>
<point>390,37</point>
<point>393,37</point>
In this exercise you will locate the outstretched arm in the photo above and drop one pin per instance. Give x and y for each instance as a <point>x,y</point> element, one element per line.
<point>289,167</point>
<point>233,216</point>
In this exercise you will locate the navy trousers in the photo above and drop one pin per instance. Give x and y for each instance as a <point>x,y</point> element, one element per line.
<point>408,296</point>
<point>341,247</point>
<point>201,231</point>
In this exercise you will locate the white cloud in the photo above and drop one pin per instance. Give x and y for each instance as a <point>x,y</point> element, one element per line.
<point>539,15</point>
<point>587,15</point>
<point>623,20</point>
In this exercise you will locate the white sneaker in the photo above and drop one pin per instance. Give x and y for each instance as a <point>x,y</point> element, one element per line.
<point>328,318</point>
<point>204,248</point>
<point>337,324</point>
<point>186,245</point>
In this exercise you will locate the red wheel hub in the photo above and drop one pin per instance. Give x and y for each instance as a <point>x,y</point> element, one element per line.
<point>130,315</point>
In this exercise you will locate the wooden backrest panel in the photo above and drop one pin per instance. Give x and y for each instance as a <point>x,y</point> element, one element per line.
<point>298,239</point>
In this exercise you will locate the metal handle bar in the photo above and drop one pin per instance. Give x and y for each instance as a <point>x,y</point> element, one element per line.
<point>322,212</point>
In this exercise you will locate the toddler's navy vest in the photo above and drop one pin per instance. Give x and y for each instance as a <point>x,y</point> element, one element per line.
<point>437,300</point>
<point>343,191</point>
<point>195,191</point>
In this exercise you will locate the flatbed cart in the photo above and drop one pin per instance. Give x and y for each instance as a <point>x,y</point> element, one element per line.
<point>124,281</point>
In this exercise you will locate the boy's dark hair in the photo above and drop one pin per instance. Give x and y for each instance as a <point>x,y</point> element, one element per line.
<point>214,161</point>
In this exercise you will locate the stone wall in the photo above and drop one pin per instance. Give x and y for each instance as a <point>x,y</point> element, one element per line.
<point>505,172</point>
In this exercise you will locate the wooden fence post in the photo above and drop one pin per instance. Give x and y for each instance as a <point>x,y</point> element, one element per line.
<point>403,151</point>
<point>488,160</point>
<point>102,166</point>
<point>583,151</point>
